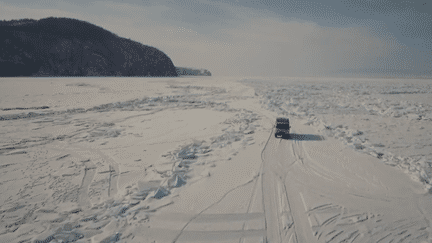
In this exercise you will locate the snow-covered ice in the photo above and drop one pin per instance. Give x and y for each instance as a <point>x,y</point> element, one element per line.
<point>388,119</point>
<point>196,160</point>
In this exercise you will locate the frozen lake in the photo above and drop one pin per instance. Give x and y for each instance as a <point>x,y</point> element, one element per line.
<point>196,160</point>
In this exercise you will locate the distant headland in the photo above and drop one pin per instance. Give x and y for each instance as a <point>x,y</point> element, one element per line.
<point>183,71</point>
<point>64,47</point>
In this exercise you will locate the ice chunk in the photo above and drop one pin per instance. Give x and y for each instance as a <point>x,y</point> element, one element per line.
<point>177,181</point>
<point>160,193</point>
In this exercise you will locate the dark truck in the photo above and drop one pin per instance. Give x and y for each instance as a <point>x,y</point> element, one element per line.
<point>282,127</point>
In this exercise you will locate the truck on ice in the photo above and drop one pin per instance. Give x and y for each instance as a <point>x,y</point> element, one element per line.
<point>282,127</point>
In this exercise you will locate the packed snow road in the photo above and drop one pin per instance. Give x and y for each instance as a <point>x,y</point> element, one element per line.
<point>318,191</point>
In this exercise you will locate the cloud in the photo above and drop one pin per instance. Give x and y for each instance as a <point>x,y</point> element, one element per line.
<point>247,42</point>
<point>8,12</point>
<point>330,49</point>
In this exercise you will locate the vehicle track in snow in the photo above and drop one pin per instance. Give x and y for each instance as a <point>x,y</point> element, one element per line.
<point>196,227</point>
<point>91,170</point>
<point>317,190</point>
<point>305,201</point>
<point>282,206</point>
<point>280,225</point>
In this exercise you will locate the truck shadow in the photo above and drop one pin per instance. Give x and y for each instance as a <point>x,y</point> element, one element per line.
<point>301,137</point>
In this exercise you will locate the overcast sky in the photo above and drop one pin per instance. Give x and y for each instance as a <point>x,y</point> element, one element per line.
<point>264,37</point>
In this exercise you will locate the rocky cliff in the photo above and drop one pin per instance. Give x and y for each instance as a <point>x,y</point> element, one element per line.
<point>70,47</point>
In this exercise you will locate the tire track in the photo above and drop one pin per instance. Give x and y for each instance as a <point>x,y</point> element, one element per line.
<point>281,226</point>
<point>338,218</point>
<point>276,209</point>
<point>281,194</point>
<point>90,170</point>
<point>89,173</point>
<point>114,172</point>
<point>207,208</point>
<point>252,198</point>
<point>284,205</point>
<point>279,221</point>
<point>243,234</point>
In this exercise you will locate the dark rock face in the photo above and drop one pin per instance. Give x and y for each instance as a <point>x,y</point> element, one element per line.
<point>70,47</point>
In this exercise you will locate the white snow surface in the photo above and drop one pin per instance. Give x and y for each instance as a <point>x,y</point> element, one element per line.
<point>196,160</point>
